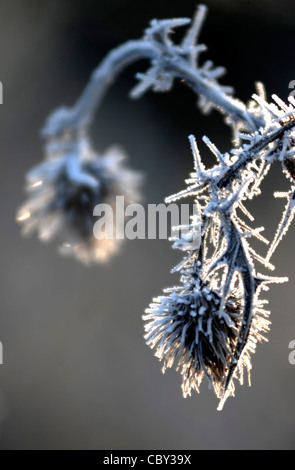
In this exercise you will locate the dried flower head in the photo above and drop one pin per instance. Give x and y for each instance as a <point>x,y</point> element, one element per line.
<point>65,188</point>
<point>191,328</point>
<point>187,327</point>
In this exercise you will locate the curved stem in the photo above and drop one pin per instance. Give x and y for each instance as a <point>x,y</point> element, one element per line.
<point>105,75</point>
<point>81,114</point>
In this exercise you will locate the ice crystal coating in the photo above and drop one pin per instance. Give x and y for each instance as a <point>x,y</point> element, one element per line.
<point>211,323</point>
<point>64,189</point>
<point>186,327</point>
<point>189,328</point>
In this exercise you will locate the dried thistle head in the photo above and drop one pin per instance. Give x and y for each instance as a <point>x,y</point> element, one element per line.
<point>195,330</point>
<point>64,189</point>
<point>186,327</point>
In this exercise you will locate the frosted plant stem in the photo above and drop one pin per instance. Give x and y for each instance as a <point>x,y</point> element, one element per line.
<point>105,75</point>
<point>252,153</point>
<point>82,113</point>
<point>223,102</point>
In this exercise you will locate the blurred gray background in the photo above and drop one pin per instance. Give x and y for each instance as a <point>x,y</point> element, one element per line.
<point>77,373</point>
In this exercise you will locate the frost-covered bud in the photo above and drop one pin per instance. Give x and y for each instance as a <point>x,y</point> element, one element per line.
<point>190,328</point>
<point>64,189</point>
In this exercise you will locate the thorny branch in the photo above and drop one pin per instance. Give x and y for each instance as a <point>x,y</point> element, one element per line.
<point>210,324</point>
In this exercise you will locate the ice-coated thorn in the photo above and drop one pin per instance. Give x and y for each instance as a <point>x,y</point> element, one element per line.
<point>198,165</point>
<point>164,27</point>
<point>214,150</point>
<point>192,34</point>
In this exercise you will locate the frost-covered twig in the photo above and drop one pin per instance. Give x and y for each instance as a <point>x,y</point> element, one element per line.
<point>227,271</point>
<point>180,326</point>
<point>168,62</point>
